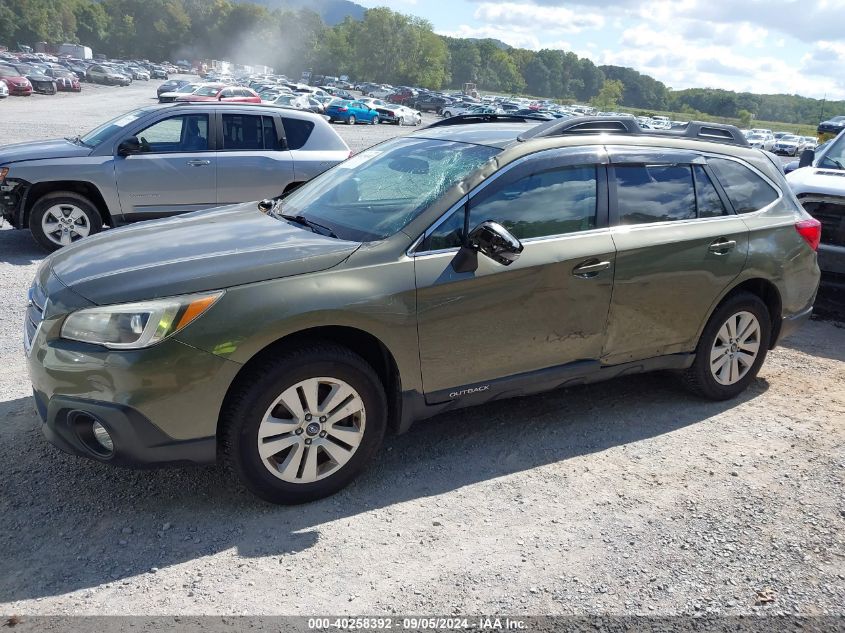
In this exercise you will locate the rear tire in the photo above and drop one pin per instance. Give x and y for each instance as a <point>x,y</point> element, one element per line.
<point>731,349</point>
<point>258,414</point>
<point>69,215</point>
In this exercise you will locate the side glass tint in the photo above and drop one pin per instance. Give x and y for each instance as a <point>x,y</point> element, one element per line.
<point>654,193</point>
<point>747,191</point>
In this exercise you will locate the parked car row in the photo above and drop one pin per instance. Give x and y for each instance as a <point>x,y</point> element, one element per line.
<point>24,73</point>
<point>336,104</point>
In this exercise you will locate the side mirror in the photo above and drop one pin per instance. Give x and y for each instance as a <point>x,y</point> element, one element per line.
<point>492,240</point>
<point>129,146</point>
<point>807,158</point>
<point>265,206</point>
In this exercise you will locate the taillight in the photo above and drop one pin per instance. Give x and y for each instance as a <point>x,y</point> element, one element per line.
<point>343,109</point>
<point>811,231</point>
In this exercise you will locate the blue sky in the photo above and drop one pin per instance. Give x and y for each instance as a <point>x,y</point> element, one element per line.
<point>763,46</point>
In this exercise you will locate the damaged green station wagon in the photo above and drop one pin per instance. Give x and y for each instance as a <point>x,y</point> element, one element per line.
<point>480,258</point>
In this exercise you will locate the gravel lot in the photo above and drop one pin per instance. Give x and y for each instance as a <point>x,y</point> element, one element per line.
<point>617,498</point>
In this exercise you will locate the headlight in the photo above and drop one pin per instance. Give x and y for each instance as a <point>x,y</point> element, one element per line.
<point>136,325</point>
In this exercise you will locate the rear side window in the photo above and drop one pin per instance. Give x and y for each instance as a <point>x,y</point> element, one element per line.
<point>654,193</point>
<point>747,191</point>
<point>297,132</point>
<point>248,132</point>
<point>709,203</point>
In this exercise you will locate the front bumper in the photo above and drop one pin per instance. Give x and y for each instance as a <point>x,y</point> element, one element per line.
<point>137,441</point>
<point>160,405</point>
<point>12,195</point>
<point>19,91</point>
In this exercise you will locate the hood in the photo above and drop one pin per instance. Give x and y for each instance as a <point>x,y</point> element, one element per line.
<point>16,80</point>
<point>205,250</point>
<point>829,182</point>
<point>38,150</point>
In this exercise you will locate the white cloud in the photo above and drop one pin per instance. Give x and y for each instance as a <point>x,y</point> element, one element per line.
<point>535,17</point>
<point>513,37</point>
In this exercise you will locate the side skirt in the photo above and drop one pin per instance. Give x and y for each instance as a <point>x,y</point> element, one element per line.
<point>416,406</point>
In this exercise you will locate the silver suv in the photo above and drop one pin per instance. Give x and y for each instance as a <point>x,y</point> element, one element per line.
<point>160,161</point>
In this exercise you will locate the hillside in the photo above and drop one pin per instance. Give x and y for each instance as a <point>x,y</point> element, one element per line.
<point>331,11</point>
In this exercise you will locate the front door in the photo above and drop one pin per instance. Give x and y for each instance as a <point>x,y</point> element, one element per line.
<point>175,171</point>
<point>678,248</point>
<point>251,165</point>
<point>547,309</point>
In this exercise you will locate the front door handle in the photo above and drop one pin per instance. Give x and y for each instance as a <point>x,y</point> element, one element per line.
<point>590,268</point>
<point>722,246</point>
<point>199,163</point>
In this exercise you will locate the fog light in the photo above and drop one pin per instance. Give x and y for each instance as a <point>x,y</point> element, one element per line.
<point>102,436</point>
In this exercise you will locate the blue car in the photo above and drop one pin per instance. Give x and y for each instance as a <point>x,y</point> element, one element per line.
<point>352,112</point>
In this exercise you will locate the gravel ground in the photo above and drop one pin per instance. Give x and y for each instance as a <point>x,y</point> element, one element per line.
<point>618,498</point>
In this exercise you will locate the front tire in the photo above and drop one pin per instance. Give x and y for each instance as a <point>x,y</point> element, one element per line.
<point>350,120</point>
<point>304,424</point>
<point>62,218</point>
<point>731,349</point>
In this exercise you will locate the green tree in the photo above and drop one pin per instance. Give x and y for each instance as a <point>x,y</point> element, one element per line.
<point>608,97</point>
<point>745,118</point>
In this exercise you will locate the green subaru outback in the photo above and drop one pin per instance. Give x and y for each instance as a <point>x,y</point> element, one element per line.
<point>479,258</point>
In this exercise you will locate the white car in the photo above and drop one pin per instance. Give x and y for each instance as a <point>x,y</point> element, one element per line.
<point>374,103</point>
<point>820,188</point>
<point>760,140</point>
<point>458,109</point>
<point>789,145</point>
<point>381,93</point>
<point>4,90</point>
<point>187,89</point>
<point>399,114</point>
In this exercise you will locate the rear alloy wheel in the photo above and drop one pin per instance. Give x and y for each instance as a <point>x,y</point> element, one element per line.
<point>304,425</point>
<point>62,218</point>
<point>351,120</point>
<point>732,348</point>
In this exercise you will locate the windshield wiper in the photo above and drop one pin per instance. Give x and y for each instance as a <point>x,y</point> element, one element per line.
<point>316,228</point>
<point>77,140</point>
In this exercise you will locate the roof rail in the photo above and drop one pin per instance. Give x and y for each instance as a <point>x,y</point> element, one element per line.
<point>697,130</point>
<point>464,119</point>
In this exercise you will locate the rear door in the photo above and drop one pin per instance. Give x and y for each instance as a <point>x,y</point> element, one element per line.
<point>175,171</point>
<point>679,246</point>
<point>253,162</point>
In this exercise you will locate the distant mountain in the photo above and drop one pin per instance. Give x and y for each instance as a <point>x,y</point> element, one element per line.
<point>332,11</point>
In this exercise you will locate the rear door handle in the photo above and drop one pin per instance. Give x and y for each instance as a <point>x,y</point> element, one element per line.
<point>199,163</point>
<point>590,268</point>
<point>722,246</point>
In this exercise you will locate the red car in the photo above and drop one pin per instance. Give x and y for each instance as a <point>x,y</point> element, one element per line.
<point>220,92</point>
<point>65,80</point>
<point>17,85</point>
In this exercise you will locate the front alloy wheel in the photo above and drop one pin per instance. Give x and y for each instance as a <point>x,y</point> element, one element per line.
<point>312,430</point>
<point>304,423</point>
<point>63,218</point>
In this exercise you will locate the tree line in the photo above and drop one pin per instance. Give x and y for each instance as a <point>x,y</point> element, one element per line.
<point>385,46</point>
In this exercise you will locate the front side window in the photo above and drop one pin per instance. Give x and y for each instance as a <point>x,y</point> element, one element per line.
<point>186,133</point>
<point>747,191</point>
<point>654,193</point>
<point>378,192</point>
<point>537,204</point>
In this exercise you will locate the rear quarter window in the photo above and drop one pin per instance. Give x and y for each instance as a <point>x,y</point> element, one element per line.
<point>747,191</point>
<point>297,132</point>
